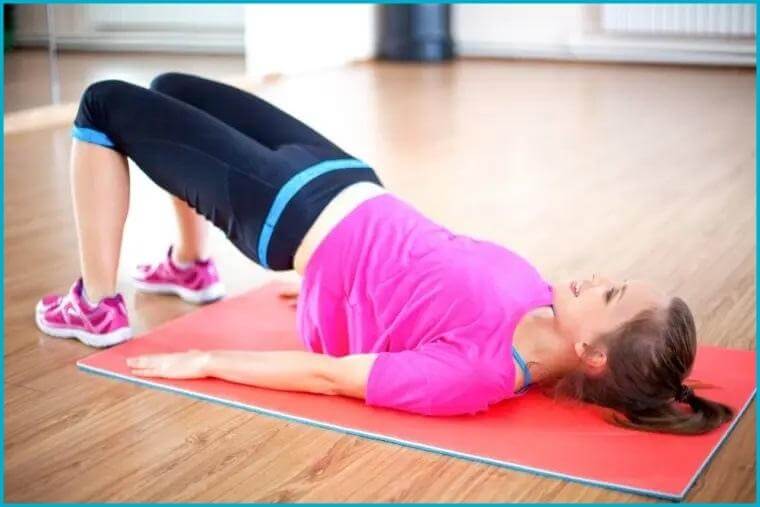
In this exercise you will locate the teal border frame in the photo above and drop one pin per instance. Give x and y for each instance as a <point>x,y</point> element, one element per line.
<point>368,2</point>
<point>2,193</point>
<point>2,266</point>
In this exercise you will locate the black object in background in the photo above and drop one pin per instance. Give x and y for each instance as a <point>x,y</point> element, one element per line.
<point>8,27</point>
<point>418,33</point>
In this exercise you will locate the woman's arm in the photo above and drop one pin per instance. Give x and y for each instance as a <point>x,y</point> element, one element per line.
<point>289,370</point>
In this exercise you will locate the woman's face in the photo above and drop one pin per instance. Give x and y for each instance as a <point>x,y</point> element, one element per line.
<point>585,309</point>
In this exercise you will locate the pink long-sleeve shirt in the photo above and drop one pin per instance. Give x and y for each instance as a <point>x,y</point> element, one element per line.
<point>438,308</point>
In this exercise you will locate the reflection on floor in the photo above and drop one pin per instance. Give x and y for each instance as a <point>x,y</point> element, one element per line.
<point>27,72</point>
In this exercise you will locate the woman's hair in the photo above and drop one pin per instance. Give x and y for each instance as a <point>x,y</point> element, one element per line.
<point>648,359</point>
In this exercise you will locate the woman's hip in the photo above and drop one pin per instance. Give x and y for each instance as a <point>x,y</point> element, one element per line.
<point>309,181</point>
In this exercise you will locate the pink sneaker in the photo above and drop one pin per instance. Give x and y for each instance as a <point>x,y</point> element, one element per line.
<point>71,316</point>
<point>198,283</point>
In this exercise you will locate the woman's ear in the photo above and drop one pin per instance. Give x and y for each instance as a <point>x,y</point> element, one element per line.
<point>593,357</point>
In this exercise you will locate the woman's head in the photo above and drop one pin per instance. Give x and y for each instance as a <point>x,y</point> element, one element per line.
<point>635,347</point>
<point>588,309</point>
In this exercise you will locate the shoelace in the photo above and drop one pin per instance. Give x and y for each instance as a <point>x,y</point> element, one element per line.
<point>68,302</point>
<point>192,276</point>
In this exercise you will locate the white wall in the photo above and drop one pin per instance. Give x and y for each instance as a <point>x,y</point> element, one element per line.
<point>562,31</point>
<point>516,29</point>
<point>288,38</point>
<point>122,27</point>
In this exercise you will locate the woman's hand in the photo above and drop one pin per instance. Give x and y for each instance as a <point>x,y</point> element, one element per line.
<point>290,293</point>
<point>286,370</point>
<point>181,365</point>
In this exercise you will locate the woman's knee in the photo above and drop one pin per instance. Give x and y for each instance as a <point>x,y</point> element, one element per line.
<point>169,83</point>
<point>106,91</point>
<point>102,97</point>
<point>98,111</point>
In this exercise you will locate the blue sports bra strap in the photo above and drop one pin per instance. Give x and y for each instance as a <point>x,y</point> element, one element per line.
<point>527,379</point>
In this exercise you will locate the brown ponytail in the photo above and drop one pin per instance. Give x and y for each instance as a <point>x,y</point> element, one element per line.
<point>648,359</point>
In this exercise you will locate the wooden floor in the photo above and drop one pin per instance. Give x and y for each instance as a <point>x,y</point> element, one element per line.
<point>634,171</point>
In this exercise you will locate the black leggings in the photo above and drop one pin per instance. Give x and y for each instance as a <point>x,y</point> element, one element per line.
<point>254,171</point>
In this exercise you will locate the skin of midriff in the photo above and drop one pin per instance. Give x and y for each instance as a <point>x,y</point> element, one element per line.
<point>341,206</point>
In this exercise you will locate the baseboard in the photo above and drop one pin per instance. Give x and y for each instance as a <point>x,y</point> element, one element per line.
<point>174,42</point>
<point>612,49</point>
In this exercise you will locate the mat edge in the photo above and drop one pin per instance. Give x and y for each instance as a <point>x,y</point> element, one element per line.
<point>720,443</point>
<point>406,443</point>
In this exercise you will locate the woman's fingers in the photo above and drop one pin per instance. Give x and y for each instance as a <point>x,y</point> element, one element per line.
<point>289,292</point>
<point>176,365</point>
<point>136,362</point>
<point>146,373</point>
<point>151,361</point>
<point>155,365</point>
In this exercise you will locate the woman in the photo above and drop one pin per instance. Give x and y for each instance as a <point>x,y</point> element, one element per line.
<point>394,308</point>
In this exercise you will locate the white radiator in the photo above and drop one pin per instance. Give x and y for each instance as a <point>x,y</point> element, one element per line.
<point>699,20</point>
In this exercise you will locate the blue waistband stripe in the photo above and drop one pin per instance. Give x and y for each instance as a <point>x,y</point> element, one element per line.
<point>291,187</point>
<point>527,379</point>
<point>91,136</point>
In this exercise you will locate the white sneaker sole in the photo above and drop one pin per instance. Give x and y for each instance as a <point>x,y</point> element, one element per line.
<point>91,339</point>
<point>211,293</point>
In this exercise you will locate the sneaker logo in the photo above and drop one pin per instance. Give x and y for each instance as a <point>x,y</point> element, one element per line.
<point>72,311</point>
